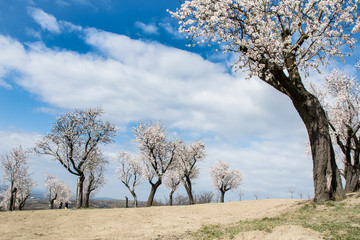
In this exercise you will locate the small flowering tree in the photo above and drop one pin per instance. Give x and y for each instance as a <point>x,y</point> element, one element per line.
<point>340,96</point>
<point>172,180</point>
<point>187,158</point>
<point>224,179</point>
<point>157,153</point>
<point>58,192</point>
<point>16,174</point>
<point>277,41</point>
<point>129,172</point>
<point>75,136</point>
<point>94,175</point>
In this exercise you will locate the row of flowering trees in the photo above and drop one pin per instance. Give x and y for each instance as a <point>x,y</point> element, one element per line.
<point>75,141</point>
<point>172,162</point>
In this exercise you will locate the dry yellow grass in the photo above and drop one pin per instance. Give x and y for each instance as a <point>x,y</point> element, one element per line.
<point>174,222</point>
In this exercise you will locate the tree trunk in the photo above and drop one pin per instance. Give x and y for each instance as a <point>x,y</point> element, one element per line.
<point>222,196</point>
<point>188,187</point>
<point>352,179</point>
<point>152,192</point>
<point>79,191</point>
<point>326,175</point>
<point>22,203</point>
<point>171,197</point>
<point>12,197</point>
<point>135,198</point>
<point>87,199</point>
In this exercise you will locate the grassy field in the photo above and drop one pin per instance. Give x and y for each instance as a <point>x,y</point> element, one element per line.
<point>333,220</point>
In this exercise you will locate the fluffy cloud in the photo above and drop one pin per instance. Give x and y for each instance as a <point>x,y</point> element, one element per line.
<point>147,28</point>
<point>46,21</point>
<point>135,80</point>
<point>49,23</point>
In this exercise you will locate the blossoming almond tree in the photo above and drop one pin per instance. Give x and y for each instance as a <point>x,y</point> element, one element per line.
<point>16,174</point>
<point>187,158</point>
<point>72,140</point>
<point>94,175</point>
<point>158,154</point>
<point>58,192</point>
<point>172,180</point>
<point>340,96</point>
<point>277,40</point>
<point>224,179</point>
<point>129,172</point>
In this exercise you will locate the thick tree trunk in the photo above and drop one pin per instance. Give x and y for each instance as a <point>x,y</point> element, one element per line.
<point>188,188</point>
<point>326,175</point>
<point>79,191</point>
<point>154,187</point>
<point>12,198</point>
<point>222,196</point>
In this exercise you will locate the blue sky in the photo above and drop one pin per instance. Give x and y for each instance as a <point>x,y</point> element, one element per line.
<point>128,57</point>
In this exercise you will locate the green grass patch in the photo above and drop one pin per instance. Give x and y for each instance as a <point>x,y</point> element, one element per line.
<point>334,220</point>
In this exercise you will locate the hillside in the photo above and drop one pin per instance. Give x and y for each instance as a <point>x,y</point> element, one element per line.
<point>206,221</point>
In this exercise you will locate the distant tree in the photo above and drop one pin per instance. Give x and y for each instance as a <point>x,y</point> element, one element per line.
<point>224,179</point>
<point>340,96</point>
<point>181,200</point>
<point>256,195</point>
<point>172,180</point>
<point>301,195</point>
<point>205,197</point>
<point>73,139</point>
<point>188,157</point>
<point>292,190</point>
<point>278,41</point>
<point>158,154</point>
<point>94,175</point>
<point>58,192</point>
<point>129,172</point>
<point>16,174</point>
<point>241,194</point>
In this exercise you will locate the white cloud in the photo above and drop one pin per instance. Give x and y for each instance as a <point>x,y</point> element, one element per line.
<point>45,20</point>
<point>147,28</point>
<point>134,81</point>
<point>168,27</point>
<point>50,23</point>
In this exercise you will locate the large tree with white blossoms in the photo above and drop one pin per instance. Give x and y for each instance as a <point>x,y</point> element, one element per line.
<point>224,179</point>
<point>157,151</point>
<point>16,175</point>
<point>278,40</point>
<point>75,136</point>
<point>340,96</point>
<point>130,172</point>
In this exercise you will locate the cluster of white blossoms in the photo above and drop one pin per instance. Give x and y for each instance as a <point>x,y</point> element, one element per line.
<point>258,30</point>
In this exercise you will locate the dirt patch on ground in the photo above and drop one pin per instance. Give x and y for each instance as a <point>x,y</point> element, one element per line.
<point>147,223</point>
